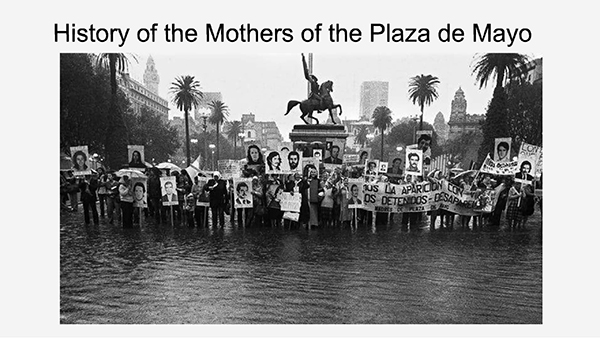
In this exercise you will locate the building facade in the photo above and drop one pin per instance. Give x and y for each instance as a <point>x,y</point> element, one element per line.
<point>441,128</point>
<point>145,95</point>
<point>460,122</point>
<point>263,134</point>
<point>372,95</point>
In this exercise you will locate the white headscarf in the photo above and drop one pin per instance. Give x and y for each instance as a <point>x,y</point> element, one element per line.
<point>218,174</point>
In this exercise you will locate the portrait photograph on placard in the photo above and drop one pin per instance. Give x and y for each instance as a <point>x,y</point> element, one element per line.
<point>135,155</point>
<point>318,154</point>
<point>502,149</point>
<point>242,192</point>
<point>335,152</point>
<point>525,169</point>
<point>306,162</point>
<point>291,162</point>
<point>371,167</point>
<point>355,193</point>
<point>414,162</point>
<point>167,190</point>
<point>203,199</point>
<point>383,167</point>
<point>80,158</point>
<point>273,162</point>
<point>140,193</point>
<point>363,155</point>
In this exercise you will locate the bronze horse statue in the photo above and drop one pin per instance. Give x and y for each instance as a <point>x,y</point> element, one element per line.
<point>308,106</point>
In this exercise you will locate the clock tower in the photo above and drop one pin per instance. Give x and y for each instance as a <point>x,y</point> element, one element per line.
<point>151,78</point>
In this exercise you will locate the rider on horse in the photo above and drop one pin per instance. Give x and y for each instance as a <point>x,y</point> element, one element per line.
<point>314,85</point>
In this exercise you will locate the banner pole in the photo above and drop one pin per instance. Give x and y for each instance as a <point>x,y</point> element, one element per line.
<point>172,223</point>
<point>355,218</point>
<point>244,217</point>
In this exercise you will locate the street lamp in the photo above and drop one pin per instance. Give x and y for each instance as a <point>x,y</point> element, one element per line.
<point>398,148</point>
<point>212,149</point>
<point>205,114</point>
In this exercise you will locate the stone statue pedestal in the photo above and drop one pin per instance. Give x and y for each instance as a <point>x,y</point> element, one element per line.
<point>315,136</point>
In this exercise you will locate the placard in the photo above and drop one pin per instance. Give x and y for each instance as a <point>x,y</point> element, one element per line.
<point>168,185</point>
<point>229,168</point>
<point>80,158</point>
<point>242,193</point>
<point>140,192</point>
<point>135,155</point>
<point>290,202</point>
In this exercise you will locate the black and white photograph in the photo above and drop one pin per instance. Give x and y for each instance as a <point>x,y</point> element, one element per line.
<point>312,169</point>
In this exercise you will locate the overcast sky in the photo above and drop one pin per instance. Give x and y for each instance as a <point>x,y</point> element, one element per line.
<point>264,83</point>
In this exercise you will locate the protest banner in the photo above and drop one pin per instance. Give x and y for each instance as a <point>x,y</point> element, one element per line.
<point>229,168</point>
<point>292,216</point>
<point>498,168</point>
<point>418,197</point>
<point>167,190</point>
<point>242,194</point>
<point>502,149</point>
<point>135,154</point>
<point>140,199</point>
<point>80,158</point>
<point>290,202</point>
<point>350,158</point>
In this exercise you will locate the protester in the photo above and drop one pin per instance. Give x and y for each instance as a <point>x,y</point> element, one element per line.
<point>202,197</point>
<point>112,198</point>
<point>273,201</point>
<point>102,189</point>
<point>88,188</point>
<point>255,165</point>
<point>513,215</point>
<point>126,199</point>
<point>72,191</point>
<point>154,194</point>
<point>218,196</point>
<point>527,204</point>
<point>326,211</point>
<point>258,203</point>
<point>501,198</point>
<point>189,207</point>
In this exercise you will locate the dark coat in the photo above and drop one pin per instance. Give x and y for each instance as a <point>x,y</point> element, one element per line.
<point>218,195</point>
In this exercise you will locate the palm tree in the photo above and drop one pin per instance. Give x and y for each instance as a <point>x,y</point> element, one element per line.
<point>186,96</point>
<point>361,136</point>
<point>382,118</point>
<point>422,91</point>
<point>234,129</point>
<point>117,135</point>
<point>503,66</point>
<point>219,115</point>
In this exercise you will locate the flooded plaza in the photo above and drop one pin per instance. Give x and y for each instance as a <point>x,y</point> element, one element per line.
<point>160,274</point>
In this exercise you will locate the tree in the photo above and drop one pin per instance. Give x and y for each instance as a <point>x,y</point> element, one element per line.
<point>502,66</point>
<point>234,128</point>
<point>116,133</point>
<point>422,91</point>
<point>186,96</point>
<point>160,139</point>
<point>382,118</point>
<point>524,114</point>
<point>218,116</point>
<point>361,136</point>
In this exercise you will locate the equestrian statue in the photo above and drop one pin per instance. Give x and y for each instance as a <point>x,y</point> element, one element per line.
<point>319,99</point>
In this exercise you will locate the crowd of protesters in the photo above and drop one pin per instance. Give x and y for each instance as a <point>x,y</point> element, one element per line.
<point>325,197</point>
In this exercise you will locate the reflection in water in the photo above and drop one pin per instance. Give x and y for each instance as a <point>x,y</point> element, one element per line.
<point>164,274</point>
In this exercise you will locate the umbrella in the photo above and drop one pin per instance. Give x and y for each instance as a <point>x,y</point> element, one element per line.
<point>131,173</point>
<point>168,166</point>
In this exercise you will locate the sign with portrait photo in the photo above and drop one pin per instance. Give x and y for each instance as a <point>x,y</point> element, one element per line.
<point>140,192</point>
<point>371,167</point>
<point>242,193</point>
<point>273,162</point>
<point>168,185</point>
<point>80,158</point>
<point>291,162</point>
<point>363,155</point>
<point>307,161</point>
<point>135,155</point>
<point>335,153</point>
<point>383,167</point>
<point>413,164</point>
<point>201,183</point>
<point>527,162</point>
<point>355,193</point>
<point>502,149</point>
<point>318,154</point>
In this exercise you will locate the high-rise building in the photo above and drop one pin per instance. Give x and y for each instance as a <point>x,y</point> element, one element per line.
<point>145,95</point>
<point>372,95</point>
